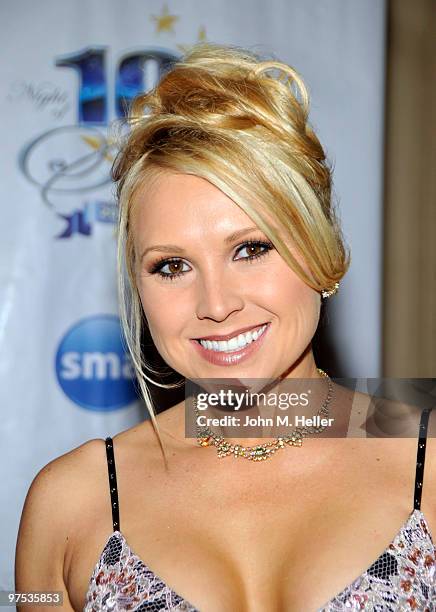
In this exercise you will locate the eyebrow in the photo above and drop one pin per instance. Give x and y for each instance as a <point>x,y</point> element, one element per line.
<point>173,248</point>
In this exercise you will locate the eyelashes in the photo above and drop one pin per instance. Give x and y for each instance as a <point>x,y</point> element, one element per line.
<point>169,275</point>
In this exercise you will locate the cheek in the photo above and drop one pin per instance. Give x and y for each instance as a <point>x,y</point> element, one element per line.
<point>163,321</point>
<point>157,317</point>
<point>290,298</point>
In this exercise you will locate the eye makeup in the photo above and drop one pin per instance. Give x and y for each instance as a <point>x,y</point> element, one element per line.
<point>158,266</point>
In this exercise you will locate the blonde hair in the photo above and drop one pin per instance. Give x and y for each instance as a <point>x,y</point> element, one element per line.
<point>225,114</point>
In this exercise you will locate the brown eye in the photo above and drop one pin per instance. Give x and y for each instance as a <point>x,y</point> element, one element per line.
<point>253,249</point>
<point>169,269</point>
<point>174,267</point>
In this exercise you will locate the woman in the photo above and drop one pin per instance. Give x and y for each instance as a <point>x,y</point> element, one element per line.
<point>227,230</point>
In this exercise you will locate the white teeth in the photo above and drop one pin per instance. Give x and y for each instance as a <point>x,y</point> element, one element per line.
<point>232,343</point>
<point>235,343</point>
<point>248,338</point>
<point>241,340</point>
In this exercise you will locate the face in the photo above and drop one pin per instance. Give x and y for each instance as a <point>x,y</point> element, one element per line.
<point>205,271</point>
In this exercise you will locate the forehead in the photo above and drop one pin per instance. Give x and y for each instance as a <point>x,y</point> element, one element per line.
<point>183,203</point>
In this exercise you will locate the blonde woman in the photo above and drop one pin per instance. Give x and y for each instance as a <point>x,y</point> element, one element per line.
<point>227,233</point>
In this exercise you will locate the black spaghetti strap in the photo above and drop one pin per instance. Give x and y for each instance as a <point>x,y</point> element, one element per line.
<point>420,457</point>
<point>112,483</point>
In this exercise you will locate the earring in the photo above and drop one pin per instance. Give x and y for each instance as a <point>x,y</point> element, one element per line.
<point>325,293</point>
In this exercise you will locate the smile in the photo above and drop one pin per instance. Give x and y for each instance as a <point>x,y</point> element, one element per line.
<point>234,350</point>
<point>235,343</point>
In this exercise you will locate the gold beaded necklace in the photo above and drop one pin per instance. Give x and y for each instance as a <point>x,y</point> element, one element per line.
<point>206,437</point>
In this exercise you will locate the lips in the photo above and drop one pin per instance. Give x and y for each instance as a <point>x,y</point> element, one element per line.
<point>234,334</point>
<point>234,357</point>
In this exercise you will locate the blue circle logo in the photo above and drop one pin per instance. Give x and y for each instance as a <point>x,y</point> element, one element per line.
<point>92,367</point>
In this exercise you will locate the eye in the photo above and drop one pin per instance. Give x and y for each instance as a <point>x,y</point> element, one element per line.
<point>174,268</point>
<point>254,249</point>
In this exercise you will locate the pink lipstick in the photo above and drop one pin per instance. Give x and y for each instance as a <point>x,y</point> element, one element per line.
<point>231,357</point>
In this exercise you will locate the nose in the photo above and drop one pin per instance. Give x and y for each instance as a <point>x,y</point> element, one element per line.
<point>218,295</point>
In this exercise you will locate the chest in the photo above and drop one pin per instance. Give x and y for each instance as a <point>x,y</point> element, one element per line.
<point>288,545</point>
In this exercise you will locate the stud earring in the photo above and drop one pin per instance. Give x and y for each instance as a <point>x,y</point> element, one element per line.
<point>325,293</point>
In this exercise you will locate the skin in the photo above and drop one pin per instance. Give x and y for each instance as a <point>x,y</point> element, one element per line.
<point>219,289</point>
<point>285,534</point>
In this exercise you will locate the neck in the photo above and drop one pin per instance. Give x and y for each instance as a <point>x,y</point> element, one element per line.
<point>259,411</point>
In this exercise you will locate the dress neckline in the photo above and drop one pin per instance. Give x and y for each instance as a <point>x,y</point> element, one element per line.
<point>413,515</point>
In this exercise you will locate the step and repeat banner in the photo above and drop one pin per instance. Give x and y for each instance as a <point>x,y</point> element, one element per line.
<point>68,68</point>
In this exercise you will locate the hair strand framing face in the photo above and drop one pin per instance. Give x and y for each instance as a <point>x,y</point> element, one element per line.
<point>226,115</point>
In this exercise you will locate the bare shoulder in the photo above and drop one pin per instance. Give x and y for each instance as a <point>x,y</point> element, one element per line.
<point>394,425</point>
<point>49,517</point>
<point>67,517</point>
<point>401,421</point>
<point>61,480</point>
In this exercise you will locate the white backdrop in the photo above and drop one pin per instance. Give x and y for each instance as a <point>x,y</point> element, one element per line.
<point>64,378</point>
